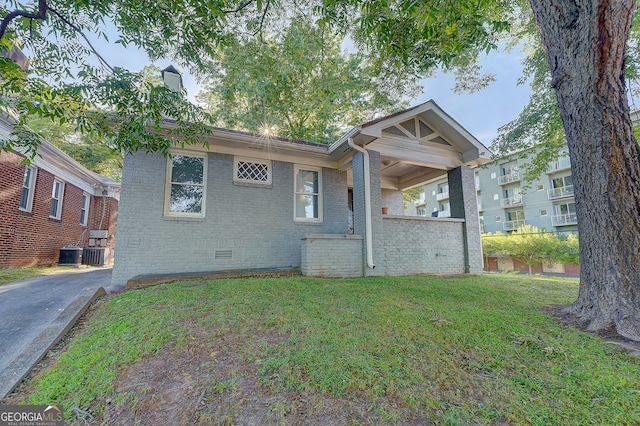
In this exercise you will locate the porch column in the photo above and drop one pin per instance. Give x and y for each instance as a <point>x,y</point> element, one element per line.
<point>464,205</point>
<point>359,224</point>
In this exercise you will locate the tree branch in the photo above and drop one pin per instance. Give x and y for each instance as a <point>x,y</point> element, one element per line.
<point>264,14</point>
<point>79,31</point>
<point>42,14</point>
<point>242,6</point>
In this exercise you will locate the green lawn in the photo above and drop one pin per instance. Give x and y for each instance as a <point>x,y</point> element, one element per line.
<point>458,351</point>
<point>8,275</point>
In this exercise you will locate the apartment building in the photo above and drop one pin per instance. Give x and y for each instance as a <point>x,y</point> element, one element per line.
<point>503,202</point>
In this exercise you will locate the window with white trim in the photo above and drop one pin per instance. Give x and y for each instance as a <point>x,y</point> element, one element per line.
<point>56,199</point>
<point>252,171</point>
<point>84,209</point>
<point>307,205</point>
<point>28,186</point>
<point>185,185</point>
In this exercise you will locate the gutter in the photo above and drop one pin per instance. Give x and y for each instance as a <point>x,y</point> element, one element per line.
<point>367,203</point>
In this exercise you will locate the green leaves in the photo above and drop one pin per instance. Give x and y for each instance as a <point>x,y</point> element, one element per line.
<point>300,82</point>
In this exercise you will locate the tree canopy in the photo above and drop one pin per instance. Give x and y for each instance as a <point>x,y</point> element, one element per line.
<point>299,84</point>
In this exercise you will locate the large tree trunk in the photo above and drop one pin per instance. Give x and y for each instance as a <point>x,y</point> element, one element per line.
<point>584,42</point>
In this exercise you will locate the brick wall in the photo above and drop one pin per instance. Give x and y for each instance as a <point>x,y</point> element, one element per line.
<point>33,238</point>
<point>244,226</point>
<point>415,245</point>
<point>332,256</point>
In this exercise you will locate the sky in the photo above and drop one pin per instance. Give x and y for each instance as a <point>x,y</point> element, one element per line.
<point>481,113</point>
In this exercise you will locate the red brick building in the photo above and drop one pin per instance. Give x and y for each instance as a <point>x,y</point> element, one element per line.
<point>52,203</point>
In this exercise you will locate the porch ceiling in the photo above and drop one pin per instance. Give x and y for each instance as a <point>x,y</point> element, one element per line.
<point>416,146</point>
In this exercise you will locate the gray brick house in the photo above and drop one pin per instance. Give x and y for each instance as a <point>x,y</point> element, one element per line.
<point>251,202</point>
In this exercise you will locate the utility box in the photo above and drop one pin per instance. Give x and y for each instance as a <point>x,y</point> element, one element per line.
<point>70,255</point>
<point>98,238</point>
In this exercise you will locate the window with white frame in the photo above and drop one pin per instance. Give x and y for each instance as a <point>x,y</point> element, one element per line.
<point>56,199</point>
<point>185,185</point>
<point>84,210</point>
<point>28,186</point>
<point>307,205</point>
<point>252,171</point>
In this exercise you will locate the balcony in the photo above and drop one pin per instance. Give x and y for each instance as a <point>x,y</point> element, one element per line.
<point>557,166</point>
<point>509,178</point>
<point>564,219</point>
<point>442,196</point>
<point>444,213</point>
<point>511,201</point>
<point>562,192</point>
<point>512,225</point>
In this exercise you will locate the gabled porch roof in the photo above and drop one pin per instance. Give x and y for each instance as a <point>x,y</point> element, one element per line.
<point>416,145</point>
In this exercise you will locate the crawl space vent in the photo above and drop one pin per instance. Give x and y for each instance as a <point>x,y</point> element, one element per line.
<point>223,254</point>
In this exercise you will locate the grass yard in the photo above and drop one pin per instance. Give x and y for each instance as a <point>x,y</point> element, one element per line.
<point>406,350</point>
<point>8,275</point>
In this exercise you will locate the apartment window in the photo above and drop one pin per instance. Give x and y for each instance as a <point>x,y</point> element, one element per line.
<point>56,199</point>
<point>544,212</point>
<point>565,209</point>
<point>28,186</point>
<point>84,210</point>
<point>498,218</point>
<point>185,186</point>
<point>515,215</point>
<point>493,175</point>
<point>496,197</point>
<point>507,169</point>
<point>540,187</point>
<point>562,182</point>
<point>252,171</point>
<point>307,206</point>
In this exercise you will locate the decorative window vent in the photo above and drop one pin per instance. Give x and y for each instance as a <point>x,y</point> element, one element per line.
<point>248,170</point>
<point>223,255</point>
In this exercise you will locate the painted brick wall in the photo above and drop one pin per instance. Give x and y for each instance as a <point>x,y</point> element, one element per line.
<point>332,256</point>
<point>33,238</point>
<point>254,223</point>
<point>394,201</point>
<point>414,245</point>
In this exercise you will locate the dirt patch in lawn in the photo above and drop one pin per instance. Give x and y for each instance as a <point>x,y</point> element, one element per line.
<point>218,381</point>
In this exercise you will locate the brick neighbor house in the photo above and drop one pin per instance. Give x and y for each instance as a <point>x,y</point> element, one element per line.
<point>52,203</point>
<point>250,202</point>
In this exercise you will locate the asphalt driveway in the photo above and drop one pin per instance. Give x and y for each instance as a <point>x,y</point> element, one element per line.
<point>29,307</point>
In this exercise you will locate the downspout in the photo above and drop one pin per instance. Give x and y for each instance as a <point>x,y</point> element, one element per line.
<point>367,203</point>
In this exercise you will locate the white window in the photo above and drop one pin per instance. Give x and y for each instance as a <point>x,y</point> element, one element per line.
<point>56,199</point>
<point>498,218</point>
<point>185,186</point>
<point>544,212</point>
<point>84,210</point>
<point>493,175</point>
<point>252,171</point>
<point>307,205</point>
<point>496,197</point>
<point>540,187</point>
<point>28,185</point>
